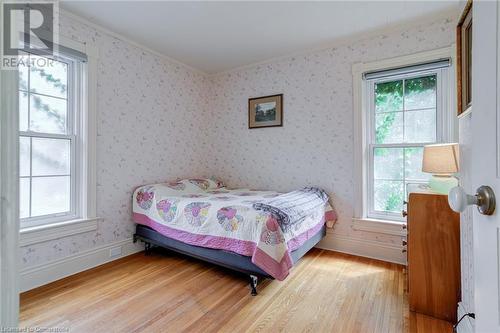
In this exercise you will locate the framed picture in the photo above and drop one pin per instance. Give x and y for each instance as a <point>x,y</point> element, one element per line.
<point>266,111</point>
<point>464,59</point>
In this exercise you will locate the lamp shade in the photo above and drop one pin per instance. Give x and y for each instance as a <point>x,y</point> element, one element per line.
<point>441,159</point>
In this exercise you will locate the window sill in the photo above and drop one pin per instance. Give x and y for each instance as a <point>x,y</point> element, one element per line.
<point>43,233</point>
<point>388,227</point>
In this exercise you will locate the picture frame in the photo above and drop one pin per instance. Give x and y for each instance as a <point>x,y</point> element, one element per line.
<point>265,111</point>
<point>464,59</point>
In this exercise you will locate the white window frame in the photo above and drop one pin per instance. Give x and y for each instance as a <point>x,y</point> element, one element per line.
<point>442,86</point>
<point>9,194</point>
<point>362,121</point>
<point>83,215</point>
<point>74,108</point>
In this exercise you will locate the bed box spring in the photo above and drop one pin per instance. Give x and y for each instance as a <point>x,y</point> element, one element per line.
<point>223,258</point>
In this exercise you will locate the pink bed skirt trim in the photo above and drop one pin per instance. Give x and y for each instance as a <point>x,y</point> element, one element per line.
<point>278,270</point>
<point>245,248</point>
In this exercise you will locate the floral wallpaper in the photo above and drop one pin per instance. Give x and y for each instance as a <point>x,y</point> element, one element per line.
<point>315,144</point>
<point>151,126</point>
<point>158,120</point>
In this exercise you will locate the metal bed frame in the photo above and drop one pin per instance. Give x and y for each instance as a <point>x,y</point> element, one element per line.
<point>222,258</point>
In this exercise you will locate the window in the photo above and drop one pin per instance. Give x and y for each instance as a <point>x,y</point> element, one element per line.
<point>50,139</point>
<point>404,110</point>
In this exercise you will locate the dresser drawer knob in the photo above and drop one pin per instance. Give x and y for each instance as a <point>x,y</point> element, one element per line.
<point>404,250</point>
<point>404,226</point>
<point>404,213</point>
<point>404,243</point>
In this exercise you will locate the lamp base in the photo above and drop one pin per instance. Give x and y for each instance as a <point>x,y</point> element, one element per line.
<point>442,184</point>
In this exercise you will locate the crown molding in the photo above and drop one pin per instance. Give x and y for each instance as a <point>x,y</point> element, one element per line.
<point>348,40</point>
<point>100,28</point>
<point>341,41</point>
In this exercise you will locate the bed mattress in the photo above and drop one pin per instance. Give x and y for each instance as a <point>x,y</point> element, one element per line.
<point>204,213</point>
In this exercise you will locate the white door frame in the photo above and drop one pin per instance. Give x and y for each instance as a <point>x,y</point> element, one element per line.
<point>9,196</point>
<point>485,163</point>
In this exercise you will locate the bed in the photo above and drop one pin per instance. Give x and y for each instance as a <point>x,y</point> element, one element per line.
<point>204,219</point>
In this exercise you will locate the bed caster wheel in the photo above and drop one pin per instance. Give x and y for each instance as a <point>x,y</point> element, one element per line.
<point>253,284</point>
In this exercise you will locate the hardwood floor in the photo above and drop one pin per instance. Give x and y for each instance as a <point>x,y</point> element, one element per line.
<point>166,292</point>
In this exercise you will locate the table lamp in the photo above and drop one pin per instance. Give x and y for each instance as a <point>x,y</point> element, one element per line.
<point>442,161</point>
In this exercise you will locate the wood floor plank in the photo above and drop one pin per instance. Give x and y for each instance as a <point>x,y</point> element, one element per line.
<point>166,292</point>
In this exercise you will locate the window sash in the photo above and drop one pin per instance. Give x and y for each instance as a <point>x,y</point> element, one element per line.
<point>60,216</point>
<point>371,135</point>
<point>72,127</point>
<point>378,214</point>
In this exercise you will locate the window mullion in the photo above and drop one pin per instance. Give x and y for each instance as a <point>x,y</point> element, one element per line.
<point>404,127</point>
<point>31,174</point>
<point>404,139</point>
<point>29,98</point>
<point>31,140</point>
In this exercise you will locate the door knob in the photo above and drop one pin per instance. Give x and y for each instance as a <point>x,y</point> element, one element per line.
<point>484,199</point>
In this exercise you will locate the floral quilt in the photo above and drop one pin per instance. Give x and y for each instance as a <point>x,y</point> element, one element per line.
<point>204,213</point>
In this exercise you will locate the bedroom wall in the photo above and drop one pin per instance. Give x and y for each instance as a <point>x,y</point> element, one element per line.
<point>315,145</point>
<point>151,126</point>
<point>159,120</point>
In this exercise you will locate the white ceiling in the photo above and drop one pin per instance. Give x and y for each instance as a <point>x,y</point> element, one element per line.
<point>216,36</point>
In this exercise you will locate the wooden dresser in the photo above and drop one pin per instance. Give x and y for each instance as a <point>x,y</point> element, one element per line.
<point>433,245</point>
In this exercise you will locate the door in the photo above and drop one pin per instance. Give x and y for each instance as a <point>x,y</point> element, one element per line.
<point>485,164</point>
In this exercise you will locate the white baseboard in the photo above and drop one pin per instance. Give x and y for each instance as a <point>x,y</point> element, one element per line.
<point>364,248</point>
<point>465,325</point>
<point>36,276</point>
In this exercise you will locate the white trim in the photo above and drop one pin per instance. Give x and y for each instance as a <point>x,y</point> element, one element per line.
<point>73,116</point>
<point>465,113</point>
<point>85,150</point>
<point>72,16</point>
<point>43,233</point>
<point>379,226</point>
<point>449,118</point>
<point>402,61</point>
<point>363,248</point>
<point>360,121</point>
<point>442,128</point>
<point>9,202</point>
<point>447,13</point>
<point>360,149</point>
<point>35,276</point>
<point>347,40</point>
<point>465,325</point>
<point>89,131</point>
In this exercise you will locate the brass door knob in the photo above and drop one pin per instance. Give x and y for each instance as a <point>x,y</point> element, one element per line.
<point>484,199</point>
